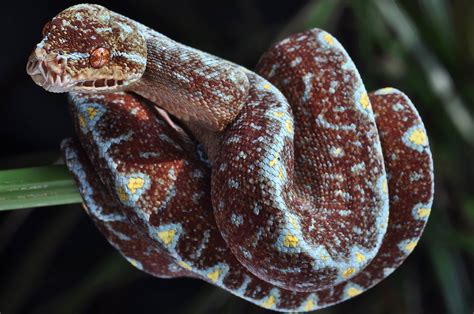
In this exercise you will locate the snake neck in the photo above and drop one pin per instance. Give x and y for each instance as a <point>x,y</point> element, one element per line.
<point>190,84</point>
<point>204,92</point>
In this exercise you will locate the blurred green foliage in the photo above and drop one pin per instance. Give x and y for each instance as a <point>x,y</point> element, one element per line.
<point>423,47</point>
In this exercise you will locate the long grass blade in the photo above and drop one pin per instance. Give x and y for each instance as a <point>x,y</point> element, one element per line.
<point>35,187</point>
<point>438,77</point>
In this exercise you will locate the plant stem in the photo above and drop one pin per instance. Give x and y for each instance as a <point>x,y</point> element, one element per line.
<point>35,187</point>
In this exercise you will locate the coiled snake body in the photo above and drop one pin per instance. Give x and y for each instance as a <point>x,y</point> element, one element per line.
<point>308,198</point>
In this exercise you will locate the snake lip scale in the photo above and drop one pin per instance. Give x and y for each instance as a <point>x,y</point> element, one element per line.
<point>289,186</point>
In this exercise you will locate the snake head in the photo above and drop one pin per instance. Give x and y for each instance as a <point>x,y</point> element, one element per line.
<point>87,48</point>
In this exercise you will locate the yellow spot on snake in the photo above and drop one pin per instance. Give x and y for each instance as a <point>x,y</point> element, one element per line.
<point>290,240</point>
<point>364,101</point>
<point>82,120</point>
<point>360,257</point>
<point>387,90</point>
<point>167,236</point>
<point>269,302</point>
<point>288,125</point>
<point>280,173</point>
<point>424,212</point>
<point>273,162</point>
<point>309,305</point>
<point>185,265</point>
<point>122,194</point>
<point>385,186</point>
<point>134,184</point>
<point>348,272</point>
<point>384,224</point>
<point>133,262</point>
<point>279,114</point>
<point>324,257</point>
<point>91,112</point>
<point>293,222</point>
<point>418,136</point>
<point>328,38</point>
<point>214,276</point>
<point>352,292</point>
<point>410,246</point>
<point>267,86</point>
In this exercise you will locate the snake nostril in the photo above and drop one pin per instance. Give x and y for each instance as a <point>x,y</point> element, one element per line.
<point>61,61</point>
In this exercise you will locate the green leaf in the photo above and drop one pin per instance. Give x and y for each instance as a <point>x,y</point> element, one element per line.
<point>35,187</point>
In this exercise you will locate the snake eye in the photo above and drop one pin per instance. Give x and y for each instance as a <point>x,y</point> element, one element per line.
<point>99,57</point>
<point>46,28</point>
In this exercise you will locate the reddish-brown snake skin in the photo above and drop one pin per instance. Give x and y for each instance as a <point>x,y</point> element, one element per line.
<point>314,190</point>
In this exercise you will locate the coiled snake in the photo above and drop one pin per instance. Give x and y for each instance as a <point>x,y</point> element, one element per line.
<point>313,192</point>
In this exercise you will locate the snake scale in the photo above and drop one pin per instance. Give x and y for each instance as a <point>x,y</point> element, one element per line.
<point>291,186</point>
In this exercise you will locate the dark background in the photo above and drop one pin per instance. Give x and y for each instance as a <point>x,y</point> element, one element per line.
<point>53,260</point>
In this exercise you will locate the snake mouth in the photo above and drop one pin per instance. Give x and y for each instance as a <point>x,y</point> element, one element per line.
<point>49,72</point>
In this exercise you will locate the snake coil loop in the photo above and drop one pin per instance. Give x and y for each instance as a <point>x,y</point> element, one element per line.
<point>315,191</point>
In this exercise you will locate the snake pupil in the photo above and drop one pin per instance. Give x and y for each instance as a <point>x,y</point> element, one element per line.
<point>99,57</point>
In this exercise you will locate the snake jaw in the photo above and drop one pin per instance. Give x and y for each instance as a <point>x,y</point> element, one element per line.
<point>48,71</point>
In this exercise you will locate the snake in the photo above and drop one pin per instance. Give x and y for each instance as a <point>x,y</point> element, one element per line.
<point>289,186</point>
